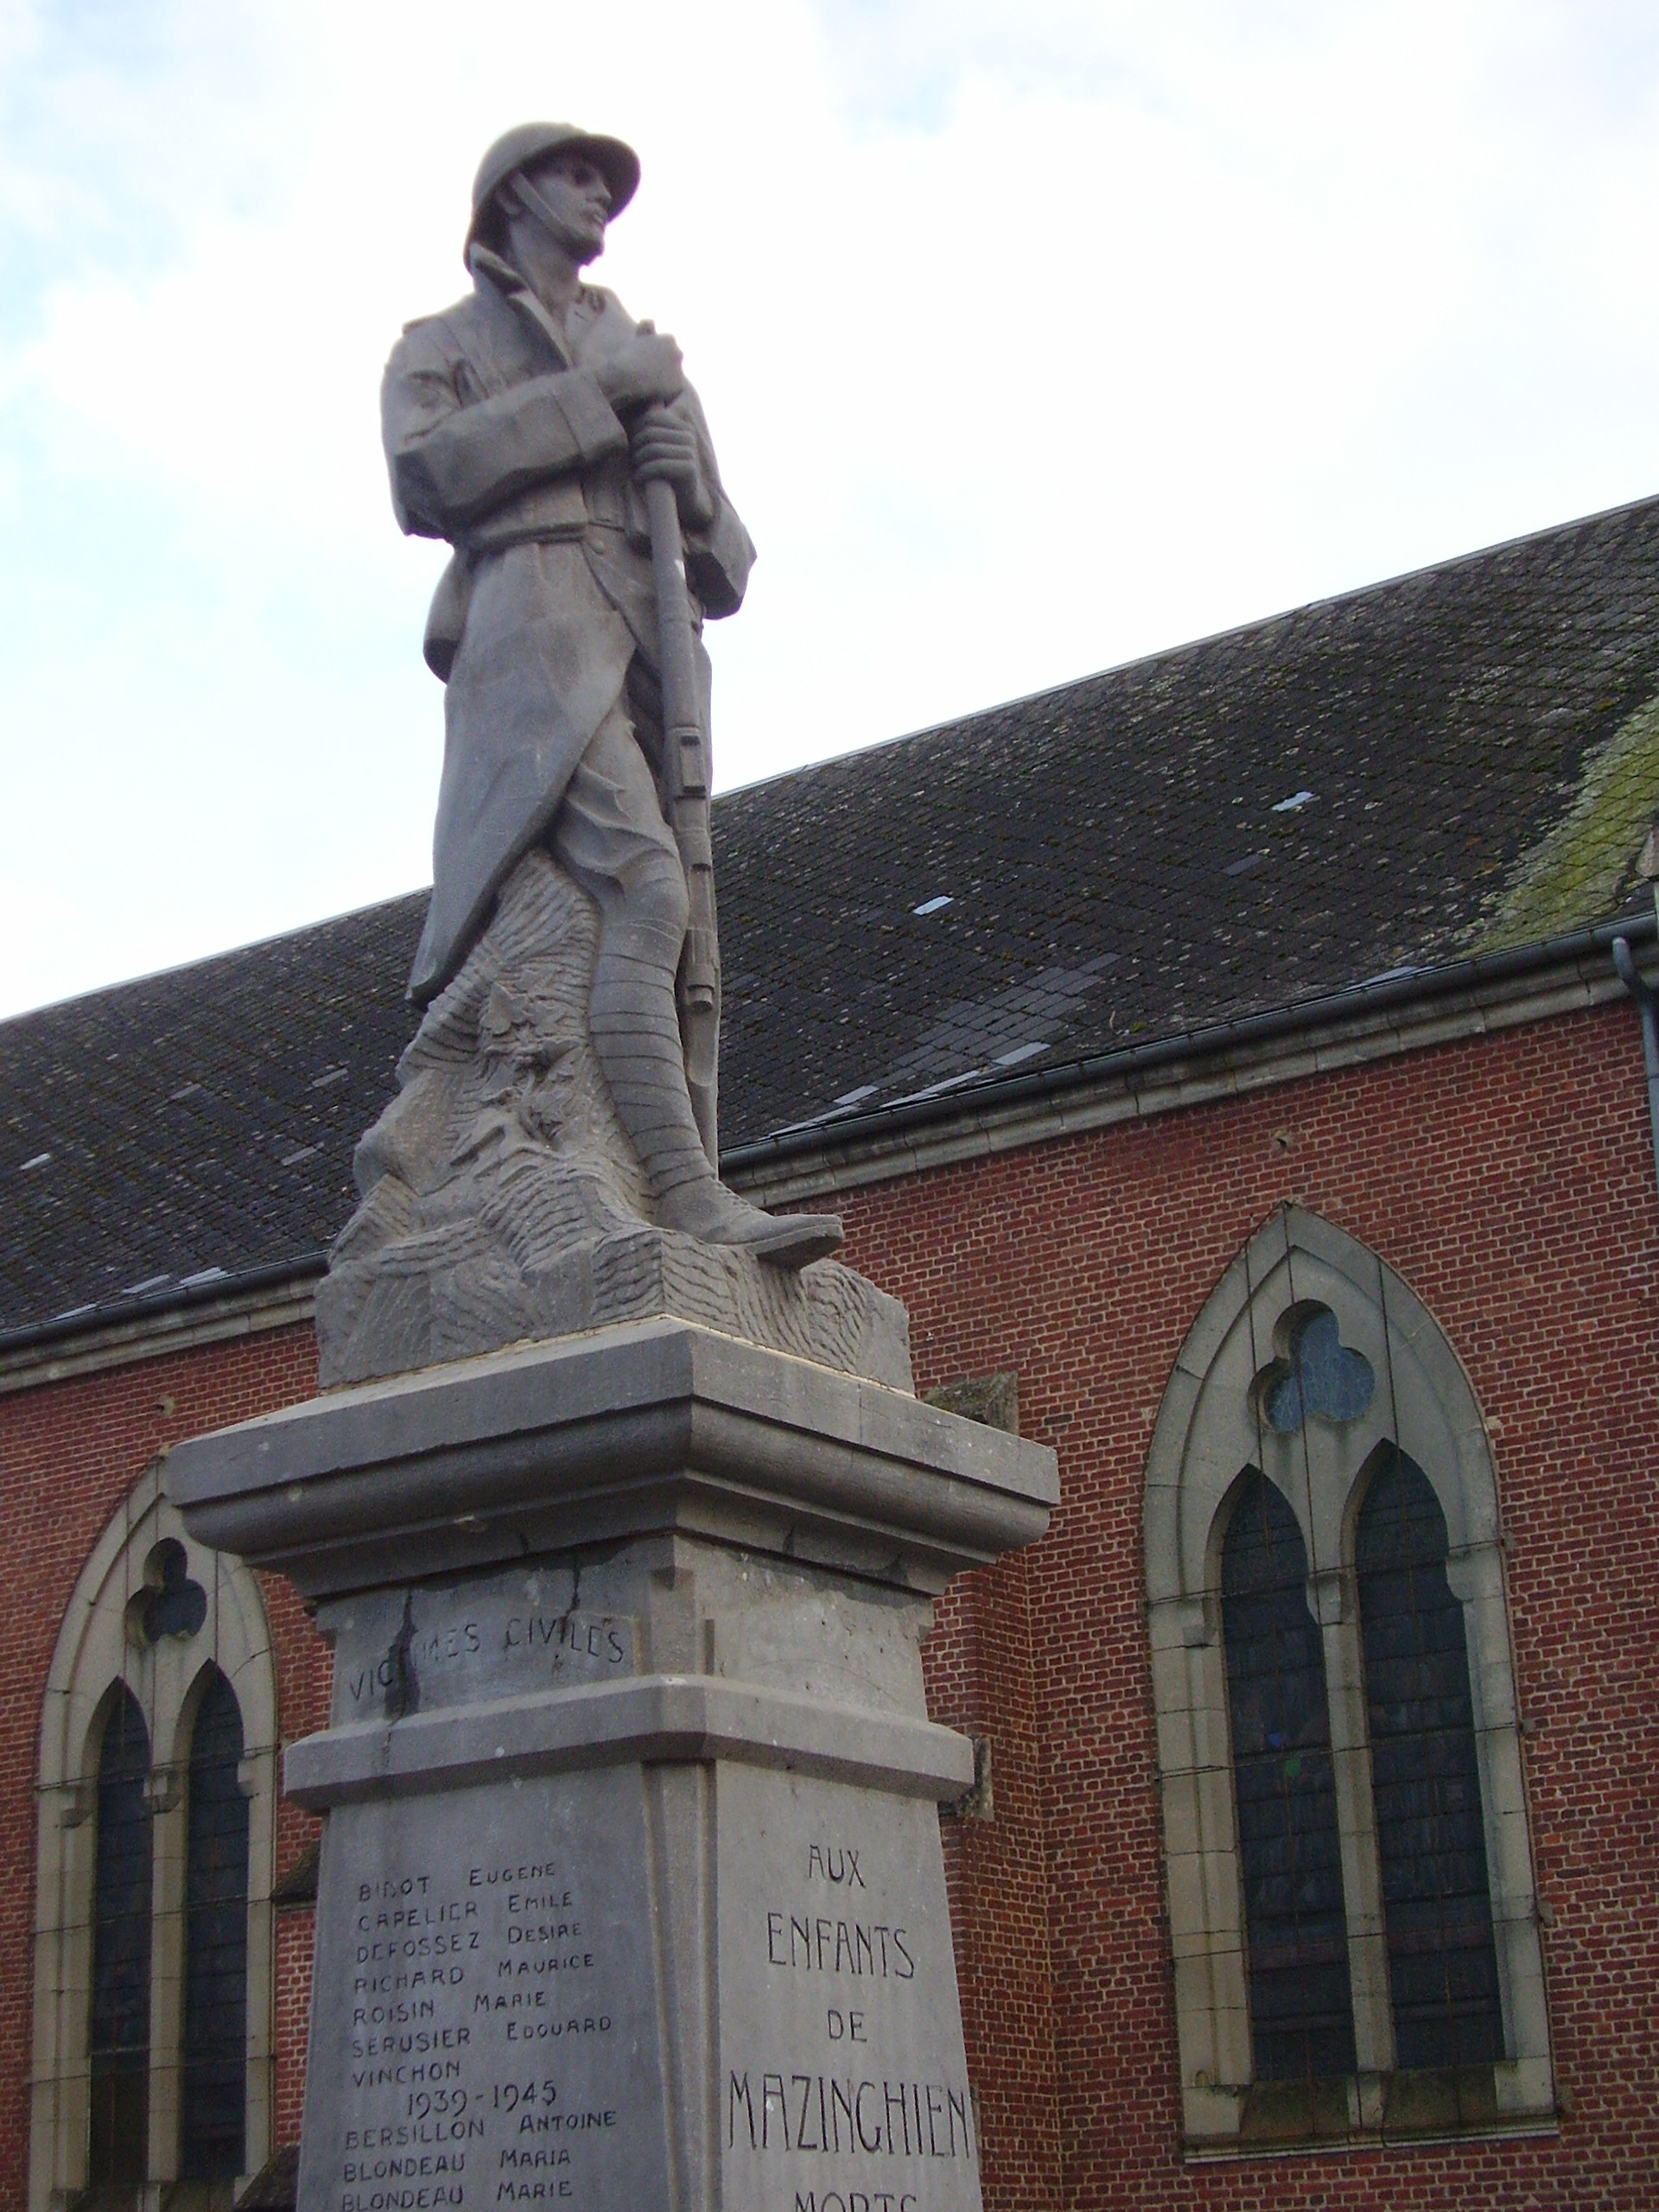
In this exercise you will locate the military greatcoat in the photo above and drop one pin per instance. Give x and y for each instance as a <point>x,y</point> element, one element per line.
<point>499,439</point>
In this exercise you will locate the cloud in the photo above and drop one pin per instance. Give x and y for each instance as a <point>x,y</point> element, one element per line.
<point>1033,339</point>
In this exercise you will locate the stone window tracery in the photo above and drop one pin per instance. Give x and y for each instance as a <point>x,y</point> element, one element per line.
<point>1355,1941</point>
<point>155,1843</point>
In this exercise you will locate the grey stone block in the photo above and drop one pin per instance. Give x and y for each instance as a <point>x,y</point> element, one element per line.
<point>660,1716</point>
<point>728,1999</point>
<point>631,1889</point>
<point>841,2070</point>
<point>485,2006</point>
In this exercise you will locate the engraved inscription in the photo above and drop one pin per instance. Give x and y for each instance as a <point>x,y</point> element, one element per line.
<point>536,1649</point>
<point>834,1863</point>
<point>418,1654</point>
<point>570,1638</point>
<point>400,1652</point>
<point>830,2113</point>
<point>853,1947</point>
<point>499,2044</point>
<point>843,2085</point>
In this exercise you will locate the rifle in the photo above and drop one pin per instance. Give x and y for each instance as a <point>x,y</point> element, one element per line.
<point>685,763</point>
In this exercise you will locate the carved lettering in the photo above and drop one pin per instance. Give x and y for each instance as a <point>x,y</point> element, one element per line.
<point>424,1650</point>
<point>566,1635</point>
<point>736,2088</point>
<point>853,2200</point>
<point>408,2044</point>
<point>416,2165</point>
<point>834,1863</point>
<point>855,1947</point>
<point>772,2099</point>
<point>842,2118</point>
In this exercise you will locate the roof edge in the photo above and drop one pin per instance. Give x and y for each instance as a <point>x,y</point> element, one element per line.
<point>141,1327</point>
<point>225,1294</point>
<point>1160,655</point>
<point>223,952</point>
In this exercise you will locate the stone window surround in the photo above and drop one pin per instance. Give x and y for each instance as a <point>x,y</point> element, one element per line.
<point>95,1649</point>
<point>1206,1435</point>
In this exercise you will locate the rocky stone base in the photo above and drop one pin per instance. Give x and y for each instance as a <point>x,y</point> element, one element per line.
<point>502,1203</point>
<point>414,1303</point>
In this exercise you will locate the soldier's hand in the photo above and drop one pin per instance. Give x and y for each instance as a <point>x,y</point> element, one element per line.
<point>645,371</point>
<point>660,447</point>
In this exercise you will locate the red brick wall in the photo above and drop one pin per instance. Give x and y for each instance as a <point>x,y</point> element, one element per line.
<point>1510,1182</point>
<point>981,1679</point>
<point>69,1452</point>
<point>295,1930</point>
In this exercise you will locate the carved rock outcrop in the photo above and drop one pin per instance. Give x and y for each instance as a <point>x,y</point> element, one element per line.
<point>501,1201</point>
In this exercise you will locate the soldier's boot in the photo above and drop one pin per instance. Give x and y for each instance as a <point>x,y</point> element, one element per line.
<point>636,1034</point>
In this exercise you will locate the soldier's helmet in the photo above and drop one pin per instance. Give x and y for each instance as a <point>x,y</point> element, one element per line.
<point>531,142</point>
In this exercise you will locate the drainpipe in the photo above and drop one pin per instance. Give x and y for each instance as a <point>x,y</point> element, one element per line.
<point>1646,997</point>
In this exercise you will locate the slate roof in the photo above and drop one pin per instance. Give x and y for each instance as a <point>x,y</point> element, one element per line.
<point>1463,758</point>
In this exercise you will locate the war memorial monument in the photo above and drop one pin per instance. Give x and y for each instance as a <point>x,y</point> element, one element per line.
<point>617,1506</point>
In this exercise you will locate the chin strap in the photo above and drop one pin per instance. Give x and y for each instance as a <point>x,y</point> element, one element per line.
<point>536,205</point>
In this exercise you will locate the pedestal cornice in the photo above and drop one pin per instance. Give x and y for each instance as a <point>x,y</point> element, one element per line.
<point>581,1441</point>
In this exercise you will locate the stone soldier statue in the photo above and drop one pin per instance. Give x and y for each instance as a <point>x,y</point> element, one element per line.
<point>523,425</point>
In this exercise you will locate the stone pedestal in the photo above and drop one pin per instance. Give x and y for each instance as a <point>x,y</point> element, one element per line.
<point>631,1892</point>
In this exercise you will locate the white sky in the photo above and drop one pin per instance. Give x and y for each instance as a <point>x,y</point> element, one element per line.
<point>1036,335</point>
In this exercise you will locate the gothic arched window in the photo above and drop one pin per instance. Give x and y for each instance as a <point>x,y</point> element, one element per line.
<point>1356,1940</point>
<point>156,1849</point>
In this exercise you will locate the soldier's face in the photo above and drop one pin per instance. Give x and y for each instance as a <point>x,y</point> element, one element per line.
<point>579,199</point>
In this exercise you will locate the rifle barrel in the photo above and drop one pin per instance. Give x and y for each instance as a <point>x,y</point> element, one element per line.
<point>686,765</point>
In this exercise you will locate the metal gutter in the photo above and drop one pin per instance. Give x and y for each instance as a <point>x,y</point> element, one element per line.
<point>1425,985</point>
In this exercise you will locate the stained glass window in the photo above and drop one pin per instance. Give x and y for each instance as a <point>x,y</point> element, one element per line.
<point>1301,2017</point>
<point>215,1944</point>
<point>1442,1967</point>
<point>119,2036</point>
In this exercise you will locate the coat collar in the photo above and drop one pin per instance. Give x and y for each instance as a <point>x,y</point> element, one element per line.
<point>491,271</point>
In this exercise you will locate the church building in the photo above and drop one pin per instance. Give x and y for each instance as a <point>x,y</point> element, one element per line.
<point>1225,1059</point>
